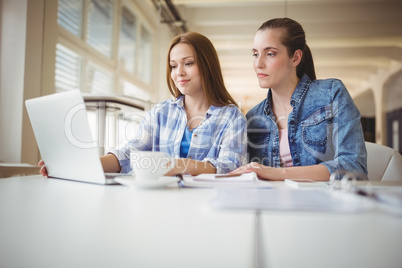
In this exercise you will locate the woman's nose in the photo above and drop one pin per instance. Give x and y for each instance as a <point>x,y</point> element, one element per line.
<point>259,63</point>
<point>180,71</point>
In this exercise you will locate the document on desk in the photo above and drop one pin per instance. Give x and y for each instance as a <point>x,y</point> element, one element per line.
<point>247,180</point>
<point>386,196</point>
<point>390,196</point>
<point>286,200</point>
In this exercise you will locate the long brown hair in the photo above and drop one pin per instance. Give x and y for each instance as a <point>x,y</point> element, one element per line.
<point>293,38</point>
<point>208,65</point>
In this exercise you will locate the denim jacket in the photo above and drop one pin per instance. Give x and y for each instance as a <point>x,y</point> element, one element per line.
<point>323,128</point>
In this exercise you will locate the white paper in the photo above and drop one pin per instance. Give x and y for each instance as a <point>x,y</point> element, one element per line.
<point>224,178</point>
<point>391,196</point>
<point>286,200</point>
<point>247,180</point>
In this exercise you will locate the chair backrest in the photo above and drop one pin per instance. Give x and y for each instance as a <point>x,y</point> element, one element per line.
<point>383,163</point>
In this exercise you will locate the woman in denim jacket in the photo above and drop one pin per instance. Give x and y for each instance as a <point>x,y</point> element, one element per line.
<point>305,128</point>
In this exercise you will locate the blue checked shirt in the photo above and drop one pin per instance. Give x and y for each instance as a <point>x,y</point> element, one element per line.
<point>221,138</point>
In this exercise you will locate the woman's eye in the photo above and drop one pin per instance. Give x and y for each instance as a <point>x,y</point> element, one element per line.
<point>189,63</point>
<point>172,66</point>
<point>270,54</point>
<point>255,55</point>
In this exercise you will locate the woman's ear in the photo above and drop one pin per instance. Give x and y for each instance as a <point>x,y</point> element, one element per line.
<point>297,56</point>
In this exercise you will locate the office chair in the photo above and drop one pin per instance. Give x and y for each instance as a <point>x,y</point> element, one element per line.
<point>383,163</point>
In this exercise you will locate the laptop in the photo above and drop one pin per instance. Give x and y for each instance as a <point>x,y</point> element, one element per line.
<point>64,138</point>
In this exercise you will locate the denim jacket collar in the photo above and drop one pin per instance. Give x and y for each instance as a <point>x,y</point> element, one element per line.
<point>297,95</point>
<point>300,90</point>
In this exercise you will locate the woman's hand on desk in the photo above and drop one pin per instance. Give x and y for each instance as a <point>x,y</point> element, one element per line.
<point>43,169</point>
<point>263,172</point>
<point>191,166</point>
<point>314,172</point>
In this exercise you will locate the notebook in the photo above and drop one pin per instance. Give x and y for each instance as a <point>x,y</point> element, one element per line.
<point>247,180</point>
<point>64,138</point>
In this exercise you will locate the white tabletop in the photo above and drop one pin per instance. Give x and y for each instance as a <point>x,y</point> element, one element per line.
<point>56,223</point>
<point>370,238</point>
<point>327,240</point>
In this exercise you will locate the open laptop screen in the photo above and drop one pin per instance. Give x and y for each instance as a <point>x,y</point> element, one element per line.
<point>61,128</point>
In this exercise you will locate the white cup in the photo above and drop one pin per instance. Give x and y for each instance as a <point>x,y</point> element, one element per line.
<point>149,165</point>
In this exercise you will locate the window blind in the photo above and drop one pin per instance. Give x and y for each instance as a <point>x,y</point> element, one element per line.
<point>93,25</point>
<point>127,42</point>
<point>98,80</point>
<point>145,61</point>
<point>68,69</point>
<point>100,26</point>
<point>70,14</point>
<point>134,91</point>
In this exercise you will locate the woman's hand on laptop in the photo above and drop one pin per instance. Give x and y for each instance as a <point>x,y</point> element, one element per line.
<point>43,169</point>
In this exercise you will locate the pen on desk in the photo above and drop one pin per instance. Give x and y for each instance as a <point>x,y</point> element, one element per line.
<point>365,193</point>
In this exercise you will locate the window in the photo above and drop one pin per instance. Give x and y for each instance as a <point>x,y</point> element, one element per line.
<point>103,44</point>
<point>131,90</point>
<point>127,41</point>
<point>68,69</point>
<point>98,80</point>
<point>146,55</point>
<point>105,47</point>
<point>100,26</point>
<point>70,14</point>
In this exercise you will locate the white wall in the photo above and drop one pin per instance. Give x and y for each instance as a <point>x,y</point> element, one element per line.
<point>365,103</point>
<point>13,37</point>
<point>393,92</point>
<point>379,105</point>
<point>32,75</point>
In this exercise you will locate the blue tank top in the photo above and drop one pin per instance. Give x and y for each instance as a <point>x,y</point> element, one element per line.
<point>185,143</point>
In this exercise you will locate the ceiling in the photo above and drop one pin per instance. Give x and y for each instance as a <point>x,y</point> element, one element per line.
<point>350,39</point>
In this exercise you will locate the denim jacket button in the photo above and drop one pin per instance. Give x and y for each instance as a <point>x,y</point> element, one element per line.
<point>292,122</point>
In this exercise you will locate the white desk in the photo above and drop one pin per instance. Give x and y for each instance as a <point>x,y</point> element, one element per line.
<point>55,223</point>
<point>369,239</point>
<point>330,240</point>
